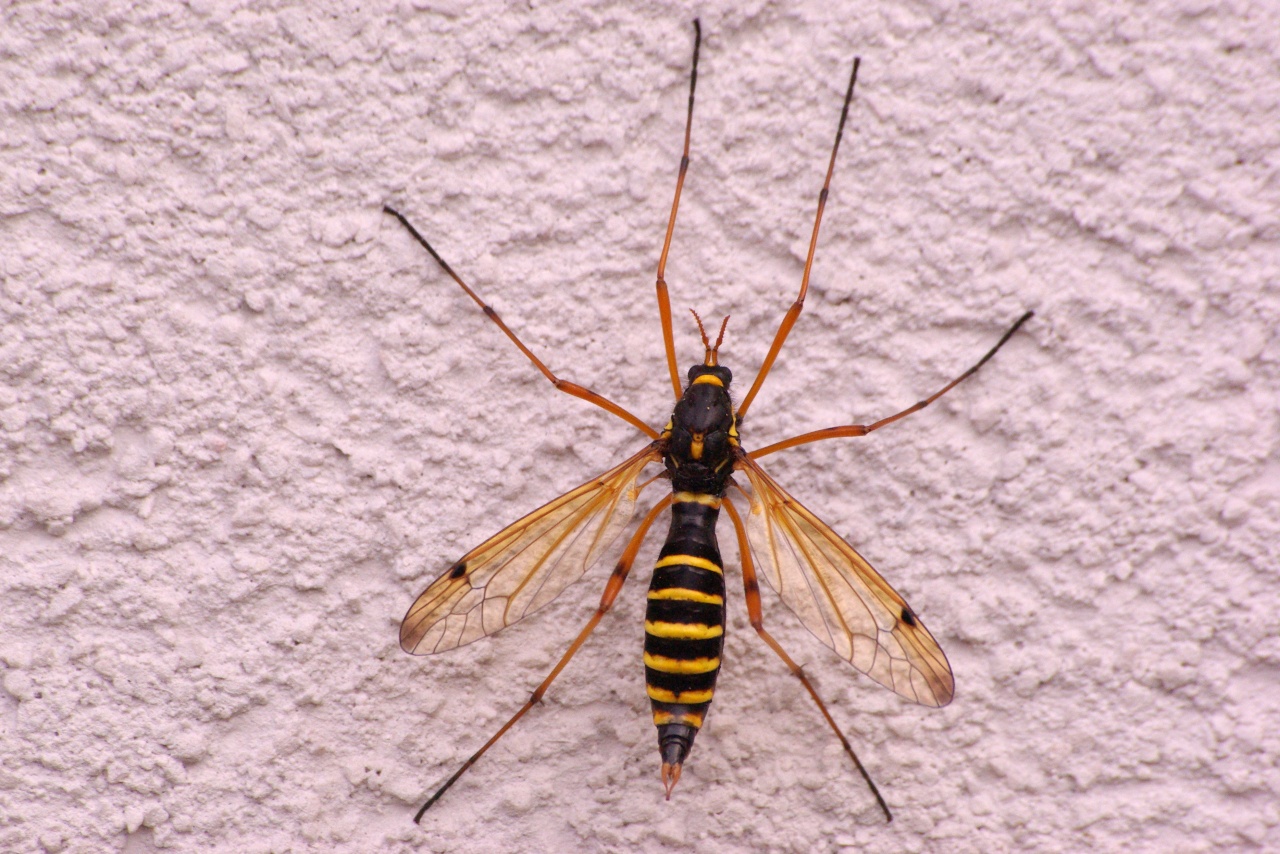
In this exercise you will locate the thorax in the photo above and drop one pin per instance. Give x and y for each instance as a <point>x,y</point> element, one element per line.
<point>702,437</point>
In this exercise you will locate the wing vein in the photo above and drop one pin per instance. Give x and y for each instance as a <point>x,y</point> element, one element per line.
<point>527,564</point>
<point>839,597</point>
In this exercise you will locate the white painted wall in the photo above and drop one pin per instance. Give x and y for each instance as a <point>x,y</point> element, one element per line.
<point>244,420</point>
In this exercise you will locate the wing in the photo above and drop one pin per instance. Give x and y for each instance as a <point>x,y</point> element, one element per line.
<point>526,565</point>
<point>839,597</point>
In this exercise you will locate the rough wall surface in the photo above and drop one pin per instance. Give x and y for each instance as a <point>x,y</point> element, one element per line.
<point>244,419</point>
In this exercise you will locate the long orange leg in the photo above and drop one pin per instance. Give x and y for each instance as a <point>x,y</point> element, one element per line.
<point>563,385</point>
<point>793,313</point>
<point>611,591</point>
<point>864,429</point>
<point>664,300</point>
<point>756,614</point>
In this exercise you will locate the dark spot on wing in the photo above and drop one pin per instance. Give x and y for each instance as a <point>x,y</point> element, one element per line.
<point>458,570</point>
<point>908,617</point>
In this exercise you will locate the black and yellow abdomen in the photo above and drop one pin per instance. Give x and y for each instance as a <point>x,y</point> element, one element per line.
<point>684,627</point>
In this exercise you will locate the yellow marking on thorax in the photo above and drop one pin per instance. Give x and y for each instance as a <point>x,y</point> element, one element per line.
<point>662,695</point>
<point>688,719</point>
<point>709,379</point>
<point>682,594</point>
<point>695,445</point>
<point>688,560</point>
<point>683,631</point>
<point>678,665</point>
<point>696,498</point>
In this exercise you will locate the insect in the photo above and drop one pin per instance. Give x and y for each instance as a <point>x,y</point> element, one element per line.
<point>817,575</point>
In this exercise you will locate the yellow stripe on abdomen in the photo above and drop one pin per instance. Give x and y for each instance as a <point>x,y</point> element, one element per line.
<point>686,718</point>
<point>689,560</point>
<point>683,631</point>
<point>663,664</point>
<point>683,594</point>
<point>689,698</point>
<point>695,498</point>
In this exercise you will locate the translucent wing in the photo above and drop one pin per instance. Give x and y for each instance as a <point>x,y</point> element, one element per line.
<point>526,565</point>
<point>839,597</point>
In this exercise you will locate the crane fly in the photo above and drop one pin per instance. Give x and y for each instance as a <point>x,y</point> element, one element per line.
<point>817,575</point>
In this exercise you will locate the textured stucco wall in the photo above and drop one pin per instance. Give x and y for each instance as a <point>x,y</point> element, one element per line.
<point>243,420</point>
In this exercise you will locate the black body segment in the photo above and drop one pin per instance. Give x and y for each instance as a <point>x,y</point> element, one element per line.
<point>701,435</point>
<point>684,625</point>
<point>684,622</point>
